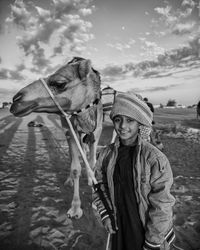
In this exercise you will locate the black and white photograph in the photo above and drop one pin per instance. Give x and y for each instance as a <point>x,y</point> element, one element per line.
<point>99,125</point>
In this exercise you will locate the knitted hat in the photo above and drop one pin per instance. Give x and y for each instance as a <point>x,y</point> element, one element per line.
<point>132,105</point>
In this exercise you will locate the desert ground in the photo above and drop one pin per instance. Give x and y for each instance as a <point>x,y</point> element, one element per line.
<point>34,165</point>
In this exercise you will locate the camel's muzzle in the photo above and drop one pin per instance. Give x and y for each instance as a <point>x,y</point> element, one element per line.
<point>21,109</point>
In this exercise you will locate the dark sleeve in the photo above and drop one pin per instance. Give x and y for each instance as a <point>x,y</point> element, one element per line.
<point>100,174</point>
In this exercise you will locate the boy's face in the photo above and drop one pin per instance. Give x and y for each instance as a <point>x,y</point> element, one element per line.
<point>126,128</point>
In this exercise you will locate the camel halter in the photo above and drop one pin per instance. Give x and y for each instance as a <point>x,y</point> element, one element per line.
<point>66,116</point>
<point>96,186</point>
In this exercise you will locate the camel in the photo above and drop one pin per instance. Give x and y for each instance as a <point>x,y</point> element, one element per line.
<point>77,88</point>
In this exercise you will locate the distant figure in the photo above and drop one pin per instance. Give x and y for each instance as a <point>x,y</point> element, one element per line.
<point>198,109</point>
<point>155,138</point>
<point>149,104</point>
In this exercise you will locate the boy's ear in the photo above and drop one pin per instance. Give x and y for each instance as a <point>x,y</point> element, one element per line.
<point>84,68</point>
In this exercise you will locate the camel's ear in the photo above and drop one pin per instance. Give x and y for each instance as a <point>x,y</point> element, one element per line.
<point>84,68</point>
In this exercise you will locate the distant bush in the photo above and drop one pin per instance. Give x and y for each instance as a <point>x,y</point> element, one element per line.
<point>161,105</point>
<point>171,103</point>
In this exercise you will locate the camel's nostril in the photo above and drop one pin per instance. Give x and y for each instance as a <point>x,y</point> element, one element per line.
<point>17,97</point>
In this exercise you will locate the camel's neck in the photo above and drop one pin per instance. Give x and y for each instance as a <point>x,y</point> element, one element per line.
<point>95,102</point>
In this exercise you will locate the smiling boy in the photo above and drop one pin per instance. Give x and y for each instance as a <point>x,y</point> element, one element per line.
<point>136,179</point>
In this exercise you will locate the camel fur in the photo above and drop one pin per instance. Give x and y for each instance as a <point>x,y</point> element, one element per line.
<point>76,87</point>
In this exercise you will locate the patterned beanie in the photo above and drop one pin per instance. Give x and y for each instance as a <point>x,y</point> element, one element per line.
<point>132,105</point>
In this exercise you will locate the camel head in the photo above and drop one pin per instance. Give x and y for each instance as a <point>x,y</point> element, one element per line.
<point>75,85</point>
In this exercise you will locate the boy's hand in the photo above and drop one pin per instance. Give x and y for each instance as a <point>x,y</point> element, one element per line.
<point>108,226</point>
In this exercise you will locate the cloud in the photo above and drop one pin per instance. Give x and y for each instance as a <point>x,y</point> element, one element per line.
<point>43,14</point>
<point>113,70</point>
<point>194,45</point>
<point>10,74</point>
<point>19,14</point>
<point>39,59</point>
<point>63,7</point>
<point>166,15</point>
<point>167,64</point>
<point>121,46</point>
<point>181,56</point>
<point>163,11</point>
<point>176,20</point>
<point>154,89</point>
<point>151,49</point>
<point>183,28</point>
<point>46,33</point>
<point>189,3</point>
<point>156,74</point>
<point>85,11</point>
<point>4,74</point>
<point>186,13</point>
<point>142,39</point>
<point>20,67</point>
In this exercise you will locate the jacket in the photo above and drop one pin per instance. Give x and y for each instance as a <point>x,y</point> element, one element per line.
<point>153,179</point>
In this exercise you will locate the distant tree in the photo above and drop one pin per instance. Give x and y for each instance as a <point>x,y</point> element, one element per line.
<point>171,103</point>
<point>161,105</point>
<point>4,104</point>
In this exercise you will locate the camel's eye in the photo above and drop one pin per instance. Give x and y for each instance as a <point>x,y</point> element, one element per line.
<point>61,85</point>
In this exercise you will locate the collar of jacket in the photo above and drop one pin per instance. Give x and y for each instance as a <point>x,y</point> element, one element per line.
<point>117,141</point>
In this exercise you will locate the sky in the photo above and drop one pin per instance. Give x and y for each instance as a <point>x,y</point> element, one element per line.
<point>149,46</point>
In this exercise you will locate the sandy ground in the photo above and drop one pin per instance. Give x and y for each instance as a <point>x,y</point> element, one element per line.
<point>33,199</point>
